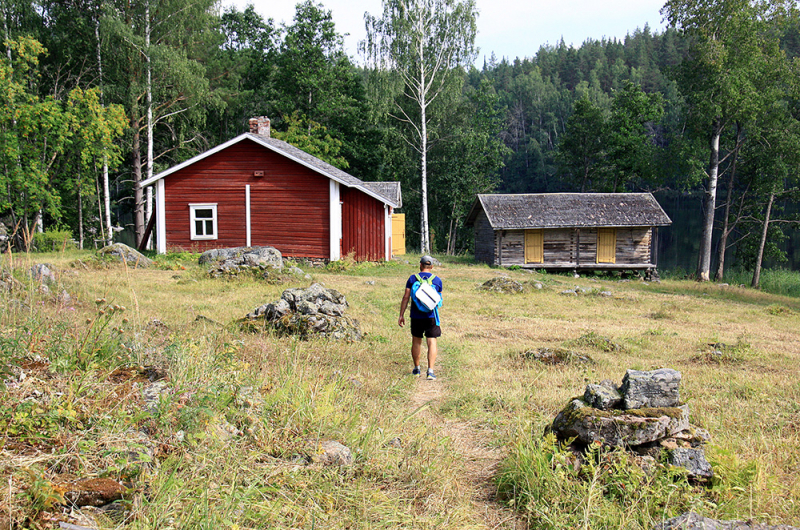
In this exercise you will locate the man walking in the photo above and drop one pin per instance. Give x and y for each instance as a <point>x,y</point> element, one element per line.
<point>423,323</point>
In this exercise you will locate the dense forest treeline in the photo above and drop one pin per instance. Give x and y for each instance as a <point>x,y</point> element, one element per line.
<point>707,106</point>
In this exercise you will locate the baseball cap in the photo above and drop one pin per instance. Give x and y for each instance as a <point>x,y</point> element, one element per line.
<point>426,260</point>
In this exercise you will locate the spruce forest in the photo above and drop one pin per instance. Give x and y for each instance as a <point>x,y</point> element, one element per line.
<point>98,95</point>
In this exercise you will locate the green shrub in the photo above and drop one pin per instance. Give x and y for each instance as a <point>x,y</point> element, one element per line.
<point>53,240</point>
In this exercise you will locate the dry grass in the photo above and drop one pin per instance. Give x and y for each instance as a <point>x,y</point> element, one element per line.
<point>360,393</point>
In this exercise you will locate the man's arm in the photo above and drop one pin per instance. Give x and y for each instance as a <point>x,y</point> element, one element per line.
<point>403,304</point>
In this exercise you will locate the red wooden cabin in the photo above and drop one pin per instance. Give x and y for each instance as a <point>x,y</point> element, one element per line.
<point>259,191</point>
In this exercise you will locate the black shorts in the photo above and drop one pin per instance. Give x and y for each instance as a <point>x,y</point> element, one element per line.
<point>426,327</point>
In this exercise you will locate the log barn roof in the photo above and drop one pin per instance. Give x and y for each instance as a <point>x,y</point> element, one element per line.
<point>386,192</point>
<point>569,210</point>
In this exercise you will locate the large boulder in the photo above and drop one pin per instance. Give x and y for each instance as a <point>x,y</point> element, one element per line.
<point>125,254</point>
<point>41,272</point>
<point>657,388</point>
<point>260,257</point>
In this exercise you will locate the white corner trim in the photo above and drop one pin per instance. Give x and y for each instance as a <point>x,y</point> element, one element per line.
<point>387,222</point>
<point>161,218</point>
<point>247,213</point>
<point>335,221</point>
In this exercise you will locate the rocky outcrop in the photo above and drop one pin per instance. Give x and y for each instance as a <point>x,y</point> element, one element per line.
<point>644,416</point>
<point>693,521</point>
<point>231,261</point>
<point>125,254</point>
<point>556,356</point>
<point>502,284</point>
<point>315,311</point>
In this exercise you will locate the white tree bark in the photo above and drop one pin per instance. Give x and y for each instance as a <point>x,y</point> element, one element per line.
<point>709,207</point>
<point>149,204</point>
<point>106,187</point>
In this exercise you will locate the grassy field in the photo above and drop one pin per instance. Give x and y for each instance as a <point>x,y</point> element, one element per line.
<point>223,447</point>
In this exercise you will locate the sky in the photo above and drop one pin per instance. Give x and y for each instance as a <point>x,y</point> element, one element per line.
<point>509,28</point>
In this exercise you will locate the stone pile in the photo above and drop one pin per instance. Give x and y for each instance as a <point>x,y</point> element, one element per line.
<point>315,311</point>
<point>643,415</point>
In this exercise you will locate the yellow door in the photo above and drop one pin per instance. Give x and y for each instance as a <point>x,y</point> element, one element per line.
<point>534,246</point>
<point>398,234</point>
<point>606,245</point>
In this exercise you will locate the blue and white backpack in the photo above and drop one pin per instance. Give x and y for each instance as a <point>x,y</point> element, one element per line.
<point>425,296</point>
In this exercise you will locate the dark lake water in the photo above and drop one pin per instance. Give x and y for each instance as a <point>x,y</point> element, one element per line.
<point>679,244</point>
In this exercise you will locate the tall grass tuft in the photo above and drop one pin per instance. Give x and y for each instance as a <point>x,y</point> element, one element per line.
<point>555,489</point>
<point>776,281</point>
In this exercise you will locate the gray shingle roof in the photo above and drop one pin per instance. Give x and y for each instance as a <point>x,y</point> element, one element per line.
<point>569,210</point>
<point>311,160</point>
<point>390,190</point>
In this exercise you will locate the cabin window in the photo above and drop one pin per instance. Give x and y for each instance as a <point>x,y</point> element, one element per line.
<point>606,245</point>
<point>203,221</point>
<point>534,246</point>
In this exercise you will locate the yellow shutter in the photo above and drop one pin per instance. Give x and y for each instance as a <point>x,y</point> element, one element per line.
<point>398,234</point>
<point>534,246</point>
<point>606,245</point>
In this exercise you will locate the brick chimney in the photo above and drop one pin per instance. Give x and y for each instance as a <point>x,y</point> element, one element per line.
<point>260,125</point>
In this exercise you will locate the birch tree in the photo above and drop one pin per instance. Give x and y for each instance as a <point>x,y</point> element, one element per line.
<point>729,77</point>
<point>426,44</point>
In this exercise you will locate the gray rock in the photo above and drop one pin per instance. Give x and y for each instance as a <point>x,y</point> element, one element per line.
<point>152,394</point>
<point>250,256</point>
<point>502,284</point>
<point>604,396</point>
<point>695,436</point>
<point>693,521</point>
<point>617,428</point>
<point>331,453</point>
<point>329,308</point>
<point>537,285</point>
<point>296,271</point>
<point>41,273</point>
<point>304,307</point>
<point>657,388</point>
<point>693,459</point>
<point>569,292</point>
<point>126,254</point>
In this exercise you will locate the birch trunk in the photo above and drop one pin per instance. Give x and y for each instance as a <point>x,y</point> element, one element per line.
<point>149,210</point>
<point>757,272</point>
<point>106,187</point>
<point>726,226</point>
<point>138,196</point>
<point>80,217</point>
<point>709,206</point>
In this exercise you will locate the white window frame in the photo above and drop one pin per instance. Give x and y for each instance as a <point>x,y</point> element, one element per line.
<point>192,226</point>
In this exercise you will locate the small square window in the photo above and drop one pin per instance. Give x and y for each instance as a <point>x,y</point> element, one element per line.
<point>203,221</point>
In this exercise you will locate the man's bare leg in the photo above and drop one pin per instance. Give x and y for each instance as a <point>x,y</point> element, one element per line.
<point>432,351</point>
<point>416,347</point>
